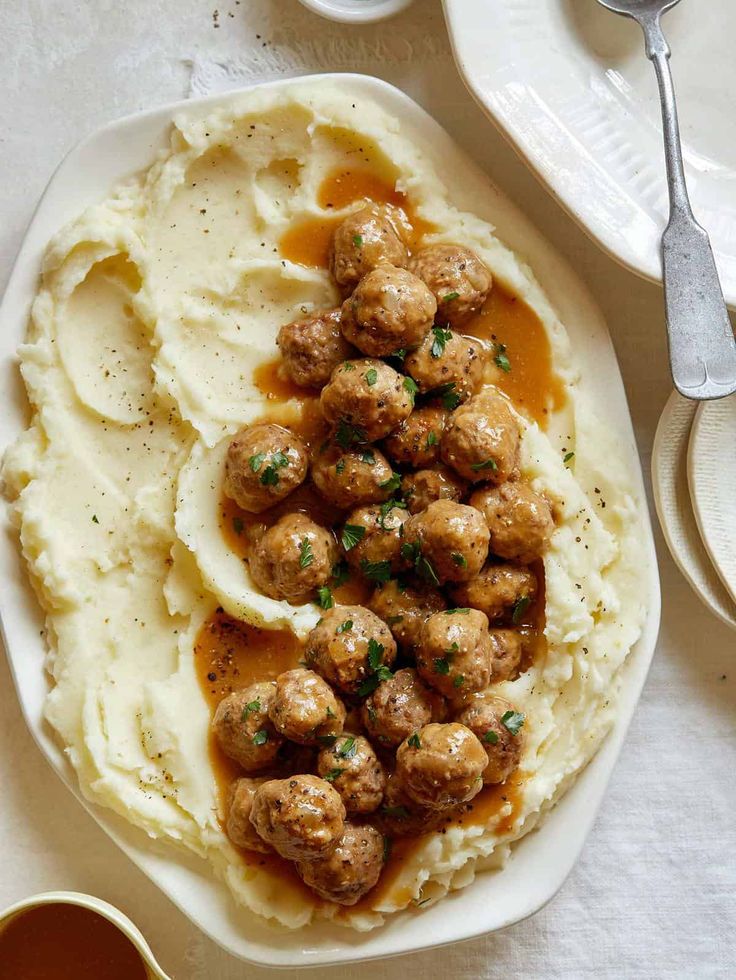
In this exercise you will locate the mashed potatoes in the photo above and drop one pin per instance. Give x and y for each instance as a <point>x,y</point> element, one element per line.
<point>154,310</point>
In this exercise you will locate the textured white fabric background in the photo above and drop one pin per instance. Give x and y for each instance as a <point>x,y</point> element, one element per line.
<point>654,894</point>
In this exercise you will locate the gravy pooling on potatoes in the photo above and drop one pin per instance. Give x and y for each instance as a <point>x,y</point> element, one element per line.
<point>318,426</point>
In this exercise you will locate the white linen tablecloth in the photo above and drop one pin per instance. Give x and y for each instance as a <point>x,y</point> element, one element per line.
<point>654,893</point>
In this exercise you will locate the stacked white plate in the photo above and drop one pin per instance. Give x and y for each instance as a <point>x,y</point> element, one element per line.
<point>694,478</point>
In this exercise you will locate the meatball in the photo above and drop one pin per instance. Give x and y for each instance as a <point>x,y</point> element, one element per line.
<point>455,654</point>
<point>498,726</point>
<point>481,439</point>
<point>348,646</point>
<point>350,870</point>
<point>366,239</point>
<point>500,591</point>
<point>400,816</point>
<point>447,358</point>
<point>365,400</point>
<point>508,646</point>
<point>416,441</point>
<point>243,729</point>
<point>312,348</point>
<point>301,817</point>
<point>519,519</point>
<point>264,463</point>
<point>304,708</point>
<point>390,310</point>
<point>239,806</point>
<point>400,706</point>
<point>458,279</point>
<point>441,765</point>
<point>293,558</point>
<point>376,531</point>
<point>352,476</point>
<point>422,488</point>
<point>447,542</point>
<point>404,608</point>
<point>352,766</point>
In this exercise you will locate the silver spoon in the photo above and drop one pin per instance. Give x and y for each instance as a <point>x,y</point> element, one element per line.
<point>701,341</point>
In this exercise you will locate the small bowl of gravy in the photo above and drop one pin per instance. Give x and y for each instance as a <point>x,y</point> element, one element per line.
<point>71,936</point>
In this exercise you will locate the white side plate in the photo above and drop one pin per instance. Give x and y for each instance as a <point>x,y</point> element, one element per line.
<point>568,84</point>
<point>542,860</point>
<point>675,509</point>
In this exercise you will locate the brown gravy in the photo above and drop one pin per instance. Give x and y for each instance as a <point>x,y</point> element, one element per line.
<point>531,384</point>
<point>58,941</point>
<point>308,242</point>
<point>229,654</point>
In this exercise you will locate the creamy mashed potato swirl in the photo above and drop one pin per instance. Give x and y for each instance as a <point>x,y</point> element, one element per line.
<point>154,310</point>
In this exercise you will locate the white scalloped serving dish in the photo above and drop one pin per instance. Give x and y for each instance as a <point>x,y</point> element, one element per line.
<point>568,84</point>
<point>542,860</point>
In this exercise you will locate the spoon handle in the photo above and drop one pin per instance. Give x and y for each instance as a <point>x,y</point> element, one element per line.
<point>701,340</point>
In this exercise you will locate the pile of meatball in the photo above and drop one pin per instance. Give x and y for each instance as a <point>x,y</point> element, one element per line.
<point>393,724</point>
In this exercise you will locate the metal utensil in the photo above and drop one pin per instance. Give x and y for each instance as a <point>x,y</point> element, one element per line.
<point>701,341</point>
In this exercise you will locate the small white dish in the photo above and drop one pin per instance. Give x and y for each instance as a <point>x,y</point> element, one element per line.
<point>542,860</point>
<point>711,474</point>
<point>569,85</point>
<point>356,11</point>
<point>675,510</point>
<point>107,911</point>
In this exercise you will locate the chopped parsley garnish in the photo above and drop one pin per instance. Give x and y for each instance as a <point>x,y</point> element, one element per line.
<point>352,534</point>
<point>449,395</point>
<point>393,483</point>
<point>458,681</point>
<point>491,737</point>
<point>400,353</point>
<point>426,570</point>
<point>441,337</point>
<point>339,466</point>
<point>512,720</point>
<point>250,706</point>
<point>270,476</point>
<point>94,519</point>
<point>371,376</point>
<point>357,240</point>
<point>410,550</point>
<point>501,360</point>
<point>375,654</point>
<point>260,737</point>
<point>368,457</point>
<point>450,297</point>
<point>386,507</point>
<point>331,713</point>
<point>411,387</point>
<point>340,574</point>
<point>348,366</point>
<point>257,461</point>
<point>487,464</point>
<point>306,555</point>
<point>325,598</point>
<point>457,609</point>
<point>441,665</point>
<point>369,685</point>
<point>348,748</point>
<point>432,439</point>
<point>376,571</point>
<point>568,457</point>
<point>333,774</point>
<point>520,607</point>
<point>344,627</point>
<point>238,525</point>
<point>460,560</point>
<point>347,434</point>
<point>414,741</point>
